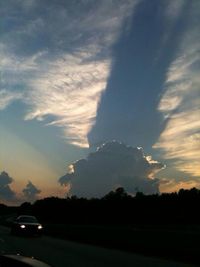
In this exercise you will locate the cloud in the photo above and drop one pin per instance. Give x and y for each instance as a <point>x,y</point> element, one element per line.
<point>9,196</point>
<point>61,75</point>
<point>180,102</point>
<point>6,98</point>
<point>6,193</point>
<point>173,9</point>
<point>172,185</point>
<point>70,93</point>
<point>31,191</point>
<point>112,165</point>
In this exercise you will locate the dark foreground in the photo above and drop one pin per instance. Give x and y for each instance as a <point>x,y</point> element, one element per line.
<point>171,242</point>
<point>163,226</point>
<point>62,253</point>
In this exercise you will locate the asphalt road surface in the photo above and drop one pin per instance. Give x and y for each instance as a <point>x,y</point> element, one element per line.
<point>62,253</point>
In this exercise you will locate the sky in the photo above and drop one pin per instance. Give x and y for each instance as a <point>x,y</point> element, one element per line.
<point>98,94</point>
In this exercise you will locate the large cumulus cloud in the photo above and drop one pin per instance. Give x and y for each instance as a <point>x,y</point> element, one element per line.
<point>112,165</point>
<point>6,193</point>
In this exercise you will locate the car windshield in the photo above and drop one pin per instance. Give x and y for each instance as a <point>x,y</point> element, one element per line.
<point>27,219</point>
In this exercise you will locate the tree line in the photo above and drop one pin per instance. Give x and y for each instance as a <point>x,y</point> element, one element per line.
<point>118,207</point>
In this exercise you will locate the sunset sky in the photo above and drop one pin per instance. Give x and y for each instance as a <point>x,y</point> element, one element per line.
<point>98,94</point>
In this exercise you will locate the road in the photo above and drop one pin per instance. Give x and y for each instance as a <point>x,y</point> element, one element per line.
<point>62,253</point>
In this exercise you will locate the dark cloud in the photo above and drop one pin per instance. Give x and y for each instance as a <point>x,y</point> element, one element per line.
<point>112,165</point>
<point>128,108</point>
<point>6,193</point>
<point>31,191</point>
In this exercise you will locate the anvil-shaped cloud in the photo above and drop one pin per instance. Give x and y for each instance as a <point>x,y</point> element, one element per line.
<point>113,164</point>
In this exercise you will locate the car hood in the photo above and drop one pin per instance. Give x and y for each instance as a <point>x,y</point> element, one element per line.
<point>26,223</point>
<point>18,260</point>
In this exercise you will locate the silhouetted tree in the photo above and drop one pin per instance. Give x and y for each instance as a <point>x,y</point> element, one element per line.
<point>118,194</point>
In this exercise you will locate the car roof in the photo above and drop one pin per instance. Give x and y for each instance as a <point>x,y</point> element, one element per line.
<point>27,219</point>
<point>29,216</point>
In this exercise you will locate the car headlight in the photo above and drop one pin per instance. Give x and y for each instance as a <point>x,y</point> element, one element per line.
<point>22,226</point>
<point>40,227</point>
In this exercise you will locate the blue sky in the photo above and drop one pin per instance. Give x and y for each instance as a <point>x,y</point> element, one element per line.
<point>77,74</point>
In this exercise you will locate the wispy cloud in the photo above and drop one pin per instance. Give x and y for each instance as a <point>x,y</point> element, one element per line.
<point>173,9</point>
<point>173,185</point>
<point>6,98</point>
<point>69,91</point>
<point>61,74</point>
<point>180,102</point>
